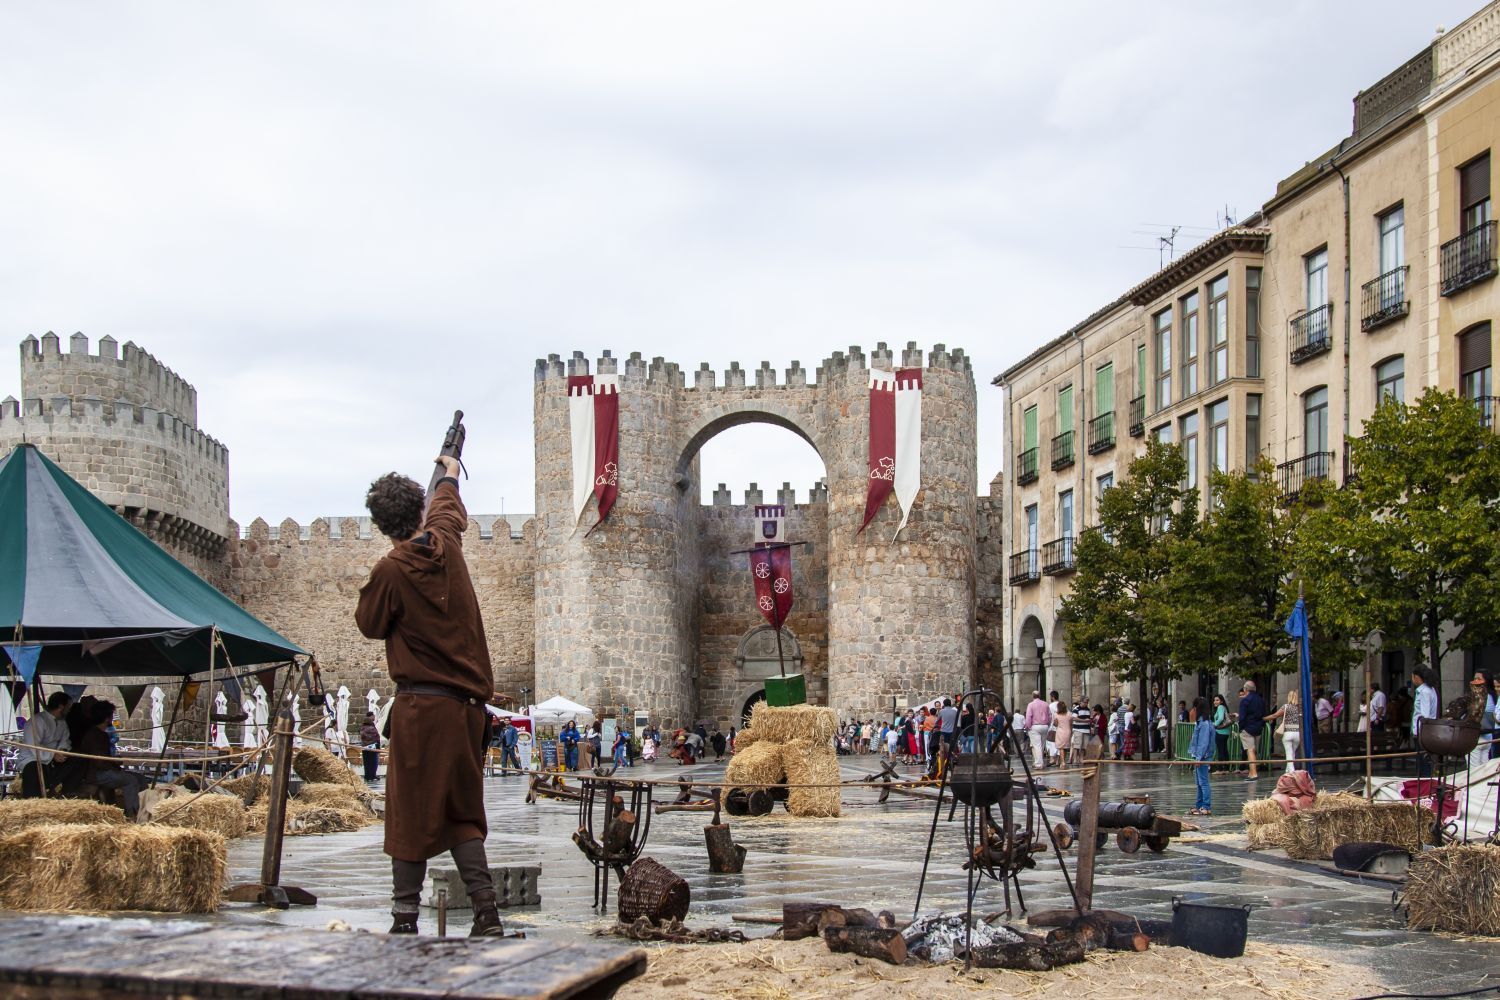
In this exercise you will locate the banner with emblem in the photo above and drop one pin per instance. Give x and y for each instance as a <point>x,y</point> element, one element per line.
<point>895,441</point>
<point>594,426</point>
<point>770,523</point>
<point>771,567</point>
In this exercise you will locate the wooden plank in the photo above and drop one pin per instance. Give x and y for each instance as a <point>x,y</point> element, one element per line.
<point>104,959</point>
<point>1088,828</point>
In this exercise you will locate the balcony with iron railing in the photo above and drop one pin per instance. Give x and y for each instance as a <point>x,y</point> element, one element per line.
<point>1487,409</point>
<point>1384,299</point>
<point>1102,433</point>
<point>1469,259</point>
<point>1062,450</point>
<point>1057,556</point>
<point>1296,474</point>
<point>1026,467</point>
<point>1311,333</point>
<point>1138,416</point>
<point>1025,567</point>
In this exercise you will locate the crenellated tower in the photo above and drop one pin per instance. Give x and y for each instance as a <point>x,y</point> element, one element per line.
<point>126,426</point>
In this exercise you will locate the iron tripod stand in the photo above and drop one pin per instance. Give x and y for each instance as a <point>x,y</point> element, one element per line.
<point>981,781</point>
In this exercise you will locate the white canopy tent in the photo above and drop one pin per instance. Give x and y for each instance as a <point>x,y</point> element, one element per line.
<point>558,710</point>
<point>501,713</point>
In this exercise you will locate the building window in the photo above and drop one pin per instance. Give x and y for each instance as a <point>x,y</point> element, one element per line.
<point>1189,344</point>
<point>1162,331</point>
<point>1390,380</point>
<point>1188,427</point>
<point>1028,428</point>
<point>1101,486</point>
<point>1392,239</point>
<point>1218,436</point>
<point>1315,421</point>
<point>1218,329</point>
<point>1140,370</point>
<point>1065,410</point>
<point>1252,322</point>
<point>1252,432</point>
<point>1104,389</point>
<point>1475,380</point>
<point>1163,433</point>
<point>1065,514</point>
<point>1474,193</point>
<point>1316,266</point>
<point>1031,539</point>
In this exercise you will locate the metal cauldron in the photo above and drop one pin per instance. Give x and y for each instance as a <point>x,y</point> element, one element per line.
<point>1448,737</point>
<point>979,779</point>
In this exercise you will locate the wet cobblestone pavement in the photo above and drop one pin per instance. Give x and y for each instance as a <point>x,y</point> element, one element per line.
<point>872,856</point>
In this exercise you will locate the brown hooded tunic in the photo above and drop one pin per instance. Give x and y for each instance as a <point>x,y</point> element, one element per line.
<point>420,600</point>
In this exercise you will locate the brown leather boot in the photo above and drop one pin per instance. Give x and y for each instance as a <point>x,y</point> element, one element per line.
<point>486,917</point>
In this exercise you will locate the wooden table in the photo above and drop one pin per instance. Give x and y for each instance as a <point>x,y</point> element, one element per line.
<point>71,958</point>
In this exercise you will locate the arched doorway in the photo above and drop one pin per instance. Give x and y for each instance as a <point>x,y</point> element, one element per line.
<point>1031,653</point>
<point>750,703</point>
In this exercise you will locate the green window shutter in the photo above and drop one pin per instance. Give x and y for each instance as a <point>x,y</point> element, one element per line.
<point>1140,370</point>
<point>1065,410</point>
<point>1028,429</point>
<point>1104,389</point>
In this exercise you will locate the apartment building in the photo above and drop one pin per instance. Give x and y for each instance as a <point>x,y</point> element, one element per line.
<point>1369,273</point>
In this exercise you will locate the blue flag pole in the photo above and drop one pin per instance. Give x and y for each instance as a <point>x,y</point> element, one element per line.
<point>1297,628</point>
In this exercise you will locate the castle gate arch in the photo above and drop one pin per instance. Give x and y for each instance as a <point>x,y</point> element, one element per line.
<point>616,608</point>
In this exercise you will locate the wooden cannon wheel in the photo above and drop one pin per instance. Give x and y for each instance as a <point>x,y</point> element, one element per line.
<point>1100,839</point>
<point>1129,839</point>
<point>1064,834</point>
<point>1156,841</point>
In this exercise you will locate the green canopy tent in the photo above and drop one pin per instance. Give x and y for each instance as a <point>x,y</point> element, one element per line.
<point>101,598</point>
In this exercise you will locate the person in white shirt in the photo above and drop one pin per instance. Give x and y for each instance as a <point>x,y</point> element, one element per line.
<point>1377,708</point>
<point>1324,712</point>
<point>47,730</point>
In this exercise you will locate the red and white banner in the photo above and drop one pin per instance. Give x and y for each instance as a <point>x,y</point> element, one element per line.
<point>594,419</point>
<point>895,441</point>
<point>772,569</point>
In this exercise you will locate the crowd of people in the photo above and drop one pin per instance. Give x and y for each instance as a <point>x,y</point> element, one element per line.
<point>85,727</point>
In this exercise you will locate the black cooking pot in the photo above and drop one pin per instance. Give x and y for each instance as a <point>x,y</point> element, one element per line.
<point>1448,737</point>
<point>979,779</point>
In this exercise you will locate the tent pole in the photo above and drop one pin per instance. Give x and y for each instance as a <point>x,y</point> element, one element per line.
<point>208,715</point>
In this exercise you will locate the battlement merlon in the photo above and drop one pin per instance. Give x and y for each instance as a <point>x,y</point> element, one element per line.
<point>704,377</point>
<point>92,416</point>
<point>320,532</point>
<point>112,372</point>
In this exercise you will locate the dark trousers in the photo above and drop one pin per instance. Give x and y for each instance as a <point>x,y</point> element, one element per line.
<point>54,773</point>
<point>508,758</point>
<point>372,763</point>
<point>409,876</point>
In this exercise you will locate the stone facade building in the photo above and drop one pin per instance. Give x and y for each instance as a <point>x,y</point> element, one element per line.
<point>651,612</point>
<point>1368,273</point>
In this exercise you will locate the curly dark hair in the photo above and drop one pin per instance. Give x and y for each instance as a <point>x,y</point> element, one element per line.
<point>395,503</point>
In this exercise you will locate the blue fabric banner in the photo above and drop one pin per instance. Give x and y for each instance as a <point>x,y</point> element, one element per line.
<point>25,658</point>
<point>1297,628</point>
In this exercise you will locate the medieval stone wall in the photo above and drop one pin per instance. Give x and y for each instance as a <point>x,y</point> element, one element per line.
<point>306,584</point>
<point>726,599</point>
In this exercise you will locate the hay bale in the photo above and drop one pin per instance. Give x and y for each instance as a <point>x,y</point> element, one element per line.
<point>1455,888</point>
<point>334,796</point>
<point>107,867</point>
<point>1261,811</point>
<point>20,814</point>
<point>811,763</point>
<point>208,811</point>
<point>1336,800</point>
<point>757,764</point>
<point>794,722</point>
<point>1265,836</point>
<point>317,766</point>
<point>251,788</point>
<point>1314,833</point>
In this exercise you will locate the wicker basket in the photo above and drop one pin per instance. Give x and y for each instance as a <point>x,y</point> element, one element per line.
<point>653,891</point>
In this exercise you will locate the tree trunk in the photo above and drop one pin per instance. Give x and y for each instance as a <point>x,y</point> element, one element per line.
<point>1144,740</point>
<point>1028,955</point>
<point>800,920</point>
<point>725,857</point>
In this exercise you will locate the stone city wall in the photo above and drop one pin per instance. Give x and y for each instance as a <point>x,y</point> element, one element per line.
<point>306,584</point>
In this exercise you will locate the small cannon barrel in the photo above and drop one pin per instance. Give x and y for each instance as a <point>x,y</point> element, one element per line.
<point>1113,815</point>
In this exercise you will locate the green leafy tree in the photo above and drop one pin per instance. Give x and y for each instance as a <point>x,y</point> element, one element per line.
<point>1410,545</point>
<point>1121,613</point>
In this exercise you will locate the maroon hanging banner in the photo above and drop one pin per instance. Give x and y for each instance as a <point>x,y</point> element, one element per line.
<point>882,480</point>
<point>772,569</point>
<point>606,443</point>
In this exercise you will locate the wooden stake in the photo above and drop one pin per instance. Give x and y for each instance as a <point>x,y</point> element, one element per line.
<point>1088,832</point>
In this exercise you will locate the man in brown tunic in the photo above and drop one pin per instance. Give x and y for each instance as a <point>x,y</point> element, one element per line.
<point>420,600</point>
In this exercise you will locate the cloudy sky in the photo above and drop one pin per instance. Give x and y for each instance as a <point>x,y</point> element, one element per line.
<point>342,220</point>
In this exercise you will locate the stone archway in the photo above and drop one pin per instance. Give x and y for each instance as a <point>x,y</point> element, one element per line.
<point>1030,670</point>
<point>757,657</point>
<point>750,703</point>
<point>625,612</point>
